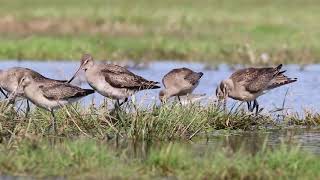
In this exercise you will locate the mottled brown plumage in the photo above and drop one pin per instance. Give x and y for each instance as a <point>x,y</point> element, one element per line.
<point>120,77</point>
<point>111,80</point>
<point>62,91</point>
<point>50,95</point>
<point>179,82</point>
<point>248,84</point>
<point>260,79</point>
<point>10,78</point>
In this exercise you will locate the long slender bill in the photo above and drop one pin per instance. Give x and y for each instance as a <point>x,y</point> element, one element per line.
<point>1,90</point>
<point>75,74</point>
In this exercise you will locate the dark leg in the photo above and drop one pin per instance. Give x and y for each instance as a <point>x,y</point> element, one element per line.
<point>116,105</point>
<point>256,105</point>
<point>124,101</point>
<point>28,108</point>
<point>179,100</point>
<point>1,90</point>
<point>53,121</point>
<point>249,105</point>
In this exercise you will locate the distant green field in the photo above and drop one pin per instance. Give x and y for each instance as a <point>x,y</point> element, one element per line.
<point>244,31</point>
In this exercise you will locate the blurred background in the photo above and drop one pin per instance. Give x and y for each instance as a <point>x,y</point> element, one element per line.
<point>214,31</point>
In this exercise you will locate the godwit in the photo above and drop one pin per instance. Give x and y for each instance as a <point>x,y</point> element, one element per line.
<point>10,78</point>
<point>250,83</point>
<point>111,80</point>
<point>50,95</point>
<point>179,82</point>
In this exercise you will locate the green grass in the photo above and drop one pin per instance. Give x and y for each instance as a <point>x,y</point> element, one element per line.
<point>206,30</point>
<point>149,142</point>
<point>165,123</point>
<point>90,159</point>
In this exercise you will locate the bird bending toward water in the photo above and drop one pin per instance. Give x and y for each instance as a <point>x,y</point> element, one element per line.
<point>112,81</point>
<point>250,83</point>
<point>179,82</point>
<point>49,95</point>
<point>10,78</point>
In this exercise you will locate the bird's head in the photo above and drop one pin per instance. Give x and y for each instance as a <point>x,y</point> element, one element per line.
<point>163,96</point>
<point>222,92</point>
<point>86,63</point>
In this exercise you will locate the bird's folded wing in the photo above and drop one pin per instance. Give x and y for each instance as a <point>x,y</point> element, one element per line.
<point>124,79</point>
<point>61,91</point>
<point>255,79</point>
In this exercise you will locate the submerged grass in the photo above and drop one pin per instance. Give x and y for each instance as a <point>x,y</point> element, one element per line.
<point>245,31</point>
<point>89,159</point>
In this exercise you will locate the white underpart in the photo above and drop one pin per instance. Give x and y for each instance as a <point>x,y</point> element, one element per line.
<point>34,94</point>
<point>98,82</point>
<point>192,98</point>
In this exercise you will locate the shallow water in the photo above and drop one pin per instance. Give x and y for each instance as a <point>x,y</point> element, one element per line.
<point>250,142</point>
<point>301,95</point>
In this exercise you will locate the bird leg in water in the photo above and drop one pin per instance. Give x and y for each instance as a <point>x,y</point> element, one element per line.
<point>256,105</point>
<point>1,90</point>
<point>249,105</point>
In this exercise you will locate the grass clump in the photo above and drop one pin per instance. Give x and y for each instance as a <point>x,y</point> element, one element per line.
<point>167,122</point>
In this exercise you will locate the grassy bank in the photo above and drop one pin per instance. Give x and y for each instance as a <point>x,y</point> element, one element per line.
<point>164,123</point>
<point>89,159</point>
<point>243,31</point>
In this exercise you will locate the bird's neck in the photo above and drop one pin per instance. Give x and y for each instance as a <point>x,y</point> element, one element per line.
<point>230,86</point>
<point>167,94</point>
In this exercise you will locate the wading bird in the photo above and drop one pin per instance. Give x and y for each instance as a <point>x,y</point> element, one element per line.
<point>50,95</point>
<point>250,83</point>
<point>179,82</point>
<point>10,78</point>
<point>112,81</point>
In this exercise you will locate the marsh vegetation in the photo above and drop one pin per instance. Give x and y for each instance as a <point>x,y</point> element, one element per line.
<point>165,123</point>
<point>158,141</point>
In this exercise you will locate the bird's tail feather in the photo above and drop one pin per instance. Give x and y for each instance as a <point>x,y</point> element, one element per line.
<point>88,91</point>
<point>150,85</point>
<point>281,80</point>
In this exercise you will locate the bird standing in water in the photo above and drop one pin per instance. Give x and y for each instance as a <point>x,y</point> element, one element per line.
<point>250,83</point>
